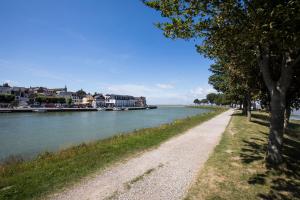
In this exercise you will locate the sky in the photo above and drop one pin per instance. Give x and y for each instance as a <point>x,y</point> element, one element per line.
<point>99,46</point>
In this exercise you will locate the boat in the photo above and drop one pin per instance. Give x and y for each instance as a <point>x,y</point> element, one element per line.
<point>100,109</point>
<point>117,109</point>
<point>39,110</point>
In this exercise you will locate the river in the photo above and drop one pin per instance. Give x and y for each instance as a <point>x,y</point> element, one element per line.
<point>28,134</point>
<point>295,115</point>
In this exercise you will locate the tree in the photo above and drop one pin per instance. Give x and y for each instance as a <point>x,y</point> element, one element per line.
<point>196,101</point>
<point>6,85</point>
<point>7,98</point>
<point>204,101</point>
<point>81,93</point>
<point>211,97</point>
<point>249,36</point>
<point>44,99</point>
<point>69,101</point>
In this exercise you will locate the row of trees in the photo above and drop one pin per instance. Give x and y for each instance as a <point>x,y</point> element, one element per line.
<point>213,98</point>
<point>7,98</point>
<point>45,99</point>
<point>256,48</point>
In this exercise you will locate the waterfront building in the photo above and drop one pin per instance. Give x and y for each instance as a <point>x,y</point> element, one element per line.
<point>76,99</point>
<point>99,100</point>
<point>21,95</point>
<point>87,100</point>
<point>70,95</point>
<point>5,89</point>
<point>113,100</point>
<point>25,96</point>
<point>140,102</point>
<point>46,91</point>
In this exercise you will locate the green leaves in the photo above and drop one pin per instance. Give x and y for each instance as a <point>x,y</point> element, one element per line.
<point>7,98</point>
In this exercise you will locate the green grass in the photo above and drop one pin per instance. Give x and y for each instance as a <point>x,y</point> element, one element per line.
<point>52,171</point>
<point>236,169</point>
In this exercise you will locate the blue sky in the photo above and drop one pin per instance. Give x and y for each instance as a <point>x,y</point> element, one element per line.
<point>98,45</point>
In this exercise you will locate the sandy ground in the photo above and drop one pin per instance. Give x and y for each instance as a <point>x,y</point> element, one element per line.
<point>162,173</point>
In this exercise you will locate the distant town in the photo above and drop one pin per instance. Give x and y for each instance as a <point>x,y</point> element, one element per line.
<point>42,97</point>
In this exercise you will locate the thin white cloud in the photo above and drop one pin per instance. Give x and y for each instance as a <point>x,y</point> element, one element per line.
<point>132,89</point>
<point>11,82</point>
<point>165,86</point>
<point>201,92</point>
<point>160,95</point>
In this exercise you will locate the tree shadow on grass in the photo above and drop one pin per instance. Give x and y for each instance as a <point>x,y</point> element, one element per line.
<point>261,122</point>
<point>285,181</point>
<point>252,151</point>
<point>260,119</point>
<point>260,116</point>
<point>237,114</point>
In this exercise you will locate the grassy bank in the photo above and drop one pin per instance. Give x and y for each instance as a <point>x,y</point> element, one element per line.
<point>236,170</point>
<point>51,171</point>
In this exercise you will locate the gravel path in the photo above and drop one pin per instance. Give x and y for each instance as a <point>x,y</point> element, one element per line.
<point>163,173</point>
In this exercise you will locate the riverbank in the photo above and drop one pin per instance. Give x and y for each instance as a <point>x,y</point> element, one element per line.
<point>163,173</point>
<point>236,170</point>
<point>41,110</point>
<point>52,171</point>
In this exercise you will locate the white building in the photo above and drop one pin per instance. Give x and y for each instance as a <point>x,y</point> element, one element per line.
<point>140,102</point>
<point>99,101</point>
<point>5,89</point>
<point>87,100</point>
<point>113,100</point>
<point>21,93</point>
<point>70,95</point>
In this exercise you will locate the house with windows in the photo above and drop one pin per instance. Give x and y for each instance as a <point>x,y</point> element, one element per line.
<point>140,102</point>
<point>99,101</point>
<point>113,100</point>
<point>5,89</point>
<point>70,95</point>
<point>87,100</point>
<point>21,95</point>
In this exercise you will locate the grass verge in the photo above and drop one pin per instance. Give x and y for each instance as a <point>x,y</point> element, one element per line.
<point>52,171</point>
<point>236,169</point>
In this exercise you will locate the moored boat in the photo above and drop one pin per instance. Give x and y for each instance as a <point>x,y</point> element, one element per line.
<point>39,110</point>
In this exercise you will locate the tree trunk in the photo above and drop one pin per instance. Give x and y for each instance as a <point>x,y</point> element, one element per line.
<point>287,114</point>
<point>274,151</point>
<point>249,109</point>
<point>244,106</point>
<point>277,89</point>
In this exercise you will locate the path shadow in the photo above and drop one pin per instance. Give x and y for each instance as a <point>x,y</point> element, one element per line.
<point>285,181</point>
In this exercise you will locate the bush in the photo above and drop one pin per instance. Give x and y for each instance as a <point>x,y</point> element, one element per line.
<point>7,98</point>
<point>42,99</point>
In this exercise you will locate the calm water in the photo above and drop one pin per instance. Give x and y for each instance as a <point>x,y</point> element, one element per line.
<point>296,115</point>
<point>28,134</point>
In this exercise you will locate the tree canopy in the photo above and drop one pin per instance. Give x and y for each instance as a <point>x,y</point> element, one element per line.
<point>256,48</point>
<point>7,98</point>
<point>81,93</point>
<point>44,99</point>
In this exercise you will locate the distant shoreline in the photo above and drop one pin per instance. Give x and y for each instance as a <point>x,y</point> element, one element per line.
<point>38,110</point>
